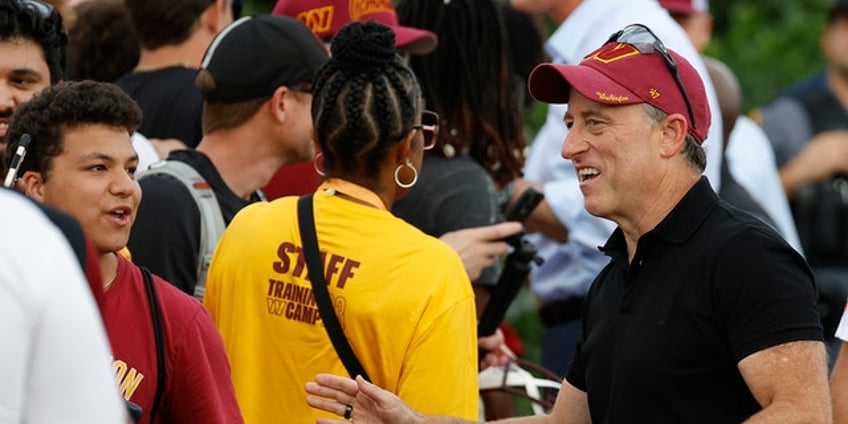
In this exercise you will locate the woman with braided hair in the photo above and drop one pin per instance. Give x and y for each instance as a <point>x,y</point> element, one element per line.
<point>402,297</point>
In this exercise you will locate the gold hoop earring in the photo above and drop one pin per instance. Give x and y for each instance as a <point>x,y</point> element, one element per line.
<point>407,164</point>
<point>315,164</point>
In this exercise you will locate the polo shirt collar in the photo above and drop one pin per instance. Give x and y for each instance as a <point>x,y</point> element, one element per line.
<point>679,225</point>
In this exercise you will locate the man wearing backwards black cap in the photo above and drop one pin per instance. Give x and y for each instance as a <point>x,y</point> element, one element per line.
<point>566,235</point>
<point>256,81</point>
<point>703,314</point>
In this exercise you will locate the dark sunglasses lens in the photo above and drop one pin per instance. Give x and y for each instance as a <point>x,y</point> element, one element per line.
<point>635,34</point>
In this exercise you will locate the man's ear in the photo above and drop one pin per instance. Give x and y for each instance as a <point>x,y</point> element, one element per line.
<point>31,184</point>
<point>673,135</point>
<point>217,16</point>
<point>277,104</point>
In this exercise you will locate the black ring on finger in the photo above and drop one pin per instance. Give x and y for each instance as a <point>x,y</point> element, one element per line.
<point>348,411</point>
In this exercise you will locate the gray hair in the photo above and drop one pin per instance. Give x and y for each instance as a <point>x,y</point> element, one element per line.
<point>693,150</point>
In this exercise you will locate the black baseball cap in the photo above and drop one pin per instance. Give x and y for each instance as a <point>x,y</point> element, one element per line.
<point>254,55</point>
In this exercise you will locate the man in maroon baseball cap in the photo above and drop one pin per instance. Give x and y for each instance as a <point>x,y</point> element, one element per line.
<point>703,314</point>
<point>689,275</point>
<point>326,17</point>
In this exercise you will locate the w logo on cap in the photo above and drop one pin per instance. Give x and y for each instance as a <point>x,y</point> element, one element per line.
<point>319,20</point>
<point>613,52</point>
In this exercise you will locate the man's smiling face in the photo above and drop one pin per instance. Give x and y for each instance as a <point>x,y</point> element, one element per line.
<point>23,74</point>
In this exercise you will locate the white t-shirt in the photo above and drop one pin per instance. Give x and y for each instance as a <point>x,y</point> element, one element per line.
<point>842,330</point>
<point>751,160</point>
<point>147,154</point>
<point>54,360</point>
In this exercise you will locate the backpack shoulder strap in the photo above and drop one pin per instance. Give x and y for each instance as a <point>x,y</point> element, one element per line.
<point>159,338</point>
<point>211,219</point>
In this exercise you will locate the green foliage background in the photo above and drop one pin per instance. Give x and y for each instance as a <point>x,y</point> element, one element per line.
<point>257,6</point>
<point>770,44</point>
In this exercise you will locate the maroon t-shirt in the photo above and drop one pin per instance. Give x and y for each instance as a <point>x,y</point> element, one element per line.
<point>198,388</point>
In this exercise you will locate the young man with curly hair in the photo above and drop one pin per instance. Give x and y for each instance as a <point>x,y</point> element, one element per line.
<point>168,357</point>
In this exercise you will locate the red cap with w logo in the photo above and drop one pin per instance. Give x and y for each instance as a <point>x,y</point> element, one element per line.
<point>619,74</point>
<point>326,17</point>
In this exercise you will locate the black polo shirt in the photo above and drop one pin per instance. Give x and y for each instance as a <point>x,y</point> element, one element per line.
<point>707,287</point>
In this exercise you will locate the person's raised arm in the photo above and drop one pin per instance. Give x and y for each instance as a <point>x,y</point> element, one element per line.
<point>822,156</point>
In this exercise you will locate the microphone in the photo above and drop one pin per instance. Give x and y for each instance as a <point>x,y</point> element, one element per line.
<point>20,152</point>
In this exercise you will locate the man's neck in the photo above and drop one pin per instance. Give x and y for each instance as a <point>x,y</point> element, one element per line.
<point>108,268</point>
<point>245,160</point>
<point>188,54</point>
<point>655,209</point>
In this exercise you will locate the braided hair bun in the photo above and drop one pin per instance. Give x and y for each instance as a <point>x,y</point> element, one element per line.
<point>364,100</point>
<point>364,46</point>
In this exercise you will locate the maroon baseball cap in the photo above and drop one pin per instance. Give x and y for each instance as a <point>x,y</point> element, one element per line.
<point>619,74</point>
<point>685,7</point>
<point>326,17</point>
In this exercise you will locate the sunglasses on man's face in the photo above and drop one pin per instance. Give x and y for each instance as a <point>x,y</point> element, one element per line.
<point>646,42</point>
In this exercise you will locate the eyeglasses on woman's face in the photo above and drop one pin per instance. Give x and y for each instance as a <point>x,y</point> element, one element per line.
<point>429,128</point>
